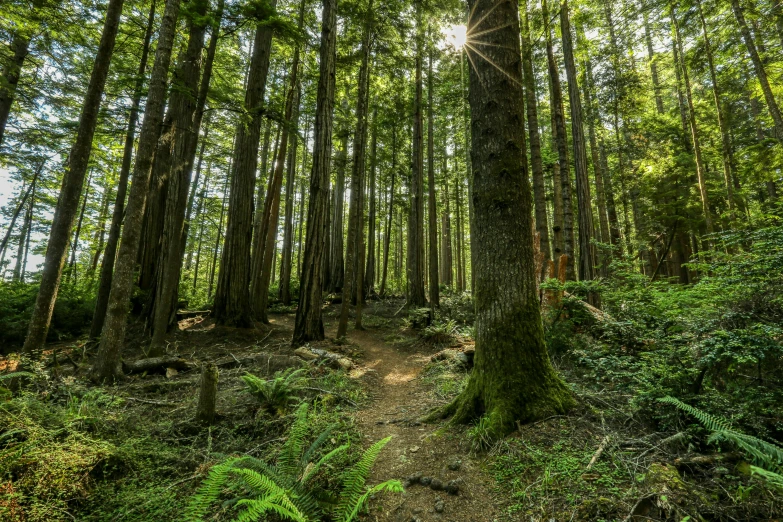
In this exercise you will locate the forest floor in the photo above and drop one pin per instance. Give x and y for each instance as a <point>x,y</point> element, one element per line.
<point>142,456</point>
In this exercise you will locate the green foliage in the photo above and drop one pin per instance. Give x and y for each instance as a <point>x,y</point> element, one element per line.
<point>440,332</point>
<point>290,487</point>
<point>71,317</point>
<point>276,394</point>
<point>767,456</point>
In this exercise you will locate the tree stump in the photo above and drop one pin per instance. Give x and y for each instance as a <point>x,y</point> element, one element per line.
<point>208,394</point>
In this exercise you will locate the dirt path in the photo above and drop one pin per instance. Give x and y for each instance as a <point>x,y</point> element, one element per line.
<point>399,398</point>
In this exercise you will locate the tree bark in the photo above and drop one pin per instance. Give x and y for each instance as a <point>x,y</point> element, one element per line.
<point>336,257</point>
<point>758,65</point>
<point>108,366</point>
<point>17,213</point>
<point>354,240</point>
<point>510,349</point>
<point>434,283</point>
<point>24,239</point>
<point>695,135</point>
<point>415,269</point>
<point>387,236</point>
<point>107,266</point>
<point>184,101</point>
<point>232,297</point>
<point>587,253</point>
<point>370,272</point>
<point>71,189</point>
<point>207,397</point>
<point>653,65</point>
<point>309,324</point>
<point>531,104</point>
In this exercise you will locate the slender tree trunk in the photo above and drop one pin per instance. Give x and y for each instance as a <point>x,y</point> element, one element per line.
<point>728,158</point>
<point>309,324</point>
<point>201,222</point>
<point>77,233</point>
<point>192,196</point>
<point>592,118</point>
<point>218,237</point>
<point>107,366</point>
<point>16,214</point>
<point>531,103</point>
<point>107,266</point>
<point>587,254</point>
<point>695,135</point>
<point>284,291</point>
<point>354,240</point>
<point>653,65</point>
<point>71,189</point>
<point>184,100</point>
<point>510,349</point>
<point>387,236</point>
<point>337,259</point>
<point>758,65</point>
<point>24,239</point>
<point>100,232</point>
<point>433,213</point>
<point>232,297</point>
<point>370,273</point>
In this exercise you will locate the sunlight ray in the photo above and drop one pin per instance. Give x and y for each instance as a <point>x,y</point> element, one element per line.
<point>496,66</point>
<point>481,42</point>
<point>474,25</point>
<point>487,31</point>
<point>473,64</point>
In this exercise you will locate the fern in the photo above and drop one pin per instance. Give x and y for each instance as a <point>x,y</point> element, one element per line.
<point>767,456</point>
<point>352,496</point>
<point>285,489</point>
<point>277,393</point>
<point>11,375</point>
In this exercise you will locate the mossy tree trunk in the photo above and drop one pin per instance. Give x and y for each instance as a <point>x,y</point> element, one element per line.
<point>513,379</point>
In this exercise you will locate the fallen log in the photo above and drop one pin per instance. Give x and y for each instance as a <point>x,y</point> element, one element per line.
<point>151,364</point>
<point>268,363</point>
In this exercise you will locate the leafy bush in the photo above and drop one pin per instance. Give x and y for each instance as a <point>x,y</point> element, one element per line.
<point>289,488</point>
<point>278,393</point>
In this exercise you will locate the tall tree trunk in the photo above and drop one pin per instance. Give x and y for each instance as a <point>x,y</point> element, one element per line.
<point>284,291</point>
<point>433,213</point>
<point>653,65</point>
<point>300,221</point>
<point>337,259</point>
<point>531,103</point>
<point>219,235</point>
<point>19,48</point>
<point>107,266</point>
<point>100,232</point>
<point>695,135</point>
<point>561,141</point>
<point>728,158</point>
<point>184,100</point>
<point>309,324</point>
<point>107,366</point>
<point>370,272</point>
<point>201,222</point>
<point>24,239</point>
<point>587,254</point>
<point>592,119</point>
<point>71,189</point>
<point>354,240</point>
<point>447,257</point>
<point>77,233</point>
<point>758,65</point>
<point>232,297</point>
<point>415,269</point>
<point>510,349</point>
<point>387,235</point>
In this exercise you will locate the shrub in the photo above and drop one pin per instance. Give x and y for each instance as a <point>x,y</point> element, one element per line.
<point>278,393</point>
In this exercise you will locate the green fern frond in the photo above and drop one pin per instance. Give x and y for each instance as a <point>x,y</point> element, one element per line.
<point>210,490</point>
<point>353,484</point>
<point>392,486</point>
<point>290,454</point>
<point>767,456</point>
<point>11,375</point>
<point>772,478</point>
<point>312,470</point>
<point>315,446</point>
<point>710,422</point>
<point>278,504</point>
